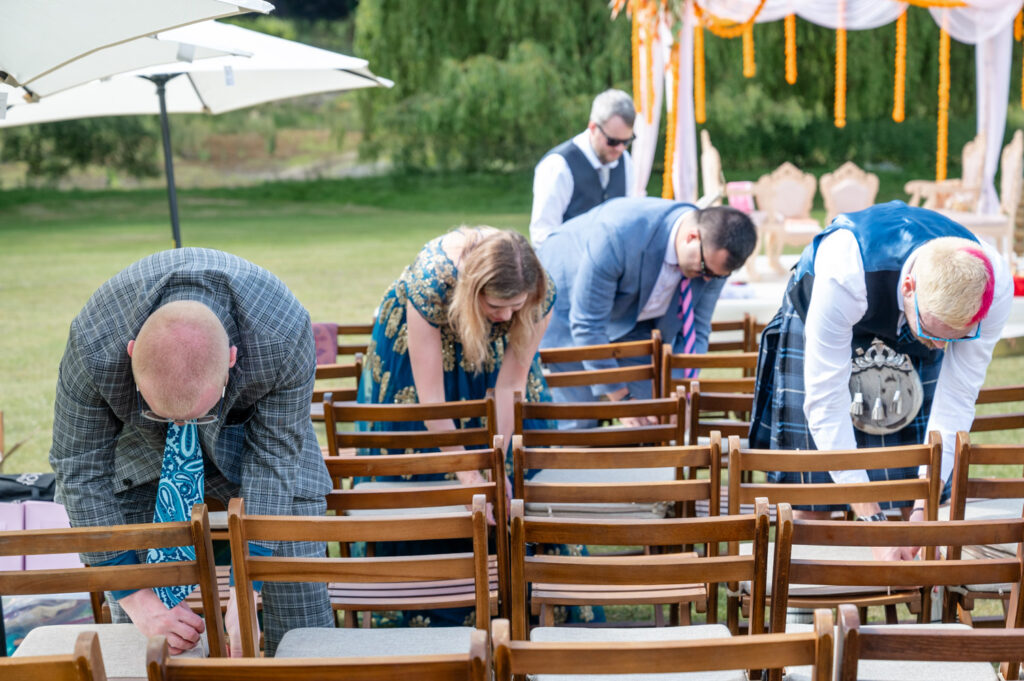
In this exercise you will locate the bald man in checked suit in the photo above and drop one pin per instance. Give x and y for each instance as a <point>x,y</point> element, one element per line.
<point>261,446</point>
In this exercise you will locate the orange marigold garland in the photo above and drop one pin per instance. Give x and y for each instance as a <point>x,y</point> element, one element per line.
<point>900,79</point>
<point>649,34</point>
<point>671,97</point>
<point>636,62</point>
<point>1018,26</point>
<point>936,3</point>
<point>724,28</point>
<point>839,111</point>
<point>942,146</point>
<point>699,91</point>
<point>749,64</point>
<point>790,25</point>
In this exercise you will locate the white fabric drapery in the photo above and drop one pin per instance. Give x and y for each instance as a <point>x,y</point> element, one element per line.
<point>987,24</point>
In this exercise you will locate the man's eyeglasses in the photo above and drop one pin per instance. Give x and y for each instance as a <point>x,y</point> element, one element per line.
<point>704,271</point>
<point>199,421</point>
<point>922,334</point>
<point>615,141</point>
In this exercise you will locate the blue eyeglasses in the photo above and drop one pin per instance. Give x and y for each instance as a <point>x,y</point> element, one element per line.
<point>199,421</point>
<point>922,334</point>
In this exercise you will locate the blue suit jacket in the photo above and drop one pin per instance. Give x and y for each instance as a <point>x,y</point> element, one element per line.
<point>605,263</point>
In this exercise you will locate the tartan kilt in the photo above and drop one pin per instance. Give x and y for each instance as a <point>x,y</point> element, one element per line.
<point>778,421</point>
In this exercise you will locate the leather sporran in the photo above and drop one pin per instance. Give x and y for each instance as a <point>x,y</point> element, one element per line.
<point>885,389</point>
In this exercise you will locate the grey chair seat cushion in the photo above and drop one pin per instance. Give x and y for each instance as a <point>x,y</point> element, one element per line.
<point>322,642</point>
<point>602,475</point>
<point>399,484</point>
<point>123,646</point>
<point>811,552</point>
<point>904,670</point>
<point>690,633</point>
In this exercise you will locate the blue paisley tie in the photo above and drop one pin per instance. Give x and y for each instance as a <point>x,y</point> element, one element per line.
<point>181,486</point>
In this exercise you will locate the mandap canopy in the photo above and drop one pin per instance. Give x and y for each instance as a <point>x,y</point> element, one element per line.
<point>668,37</point>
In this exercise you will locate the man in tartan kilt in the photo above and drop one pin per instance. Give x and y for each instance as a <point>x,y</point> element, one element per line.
<point>907,277</point>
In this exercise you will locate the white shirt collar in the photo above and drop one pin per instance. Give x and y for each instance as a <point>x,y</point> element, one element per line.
<point>582,141</point>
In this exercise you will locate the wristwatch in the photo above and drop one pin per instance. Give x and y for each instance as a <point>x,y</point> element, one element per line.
<point>876,518</point>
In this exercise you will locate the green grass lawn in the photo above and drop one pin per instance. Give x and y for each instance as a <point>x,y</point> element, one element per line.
<point>337,244</point>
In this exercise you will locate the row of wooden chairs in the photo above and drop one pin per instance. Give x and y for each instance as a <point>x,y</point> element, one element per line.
<point>561,647</point>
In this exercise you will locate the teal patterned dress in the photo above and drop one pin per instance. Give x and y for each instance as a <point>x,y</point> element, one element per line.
<point>387,378</point>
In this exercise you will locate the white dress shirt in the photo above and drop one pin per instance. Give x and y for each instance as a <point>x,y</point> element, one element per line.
<point>667,284</point>
<point>553,185</point>
<point>838,301</point>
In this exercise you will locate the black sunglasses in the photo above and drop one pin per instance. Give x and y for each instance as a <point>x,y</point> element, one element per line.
<point>704,271</point>
<point>151,415</point>
<point>615,141</point>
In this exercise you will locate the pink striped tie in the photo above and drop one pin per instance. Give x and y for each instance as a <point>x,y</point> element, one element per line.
<point>686,314</point>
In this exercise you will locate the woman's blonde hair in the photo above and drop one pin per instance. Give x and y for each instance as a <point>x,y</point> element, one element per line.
<point>500,264</point>
<point>954,281</point>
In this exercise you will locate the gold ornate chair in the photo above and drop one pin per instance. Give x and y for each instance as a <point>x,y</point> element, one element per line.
<point>847,189</point>
<point>786,196</point>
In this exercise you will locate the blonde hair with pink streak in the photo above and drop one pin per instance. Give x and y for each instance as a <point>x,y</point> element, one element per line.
<point>954,281</point>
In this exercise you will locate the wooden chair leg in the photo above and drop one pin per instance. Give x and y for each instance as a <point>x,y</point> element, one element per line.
<point>863,614</point>
<point>659,615</point>
<point>547,615</point>
<point>890,614</point>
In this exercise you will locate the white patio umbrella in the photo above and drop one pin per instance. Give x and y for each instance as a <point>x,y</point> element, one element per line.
<point>40,36</point>
<point>277,69</point>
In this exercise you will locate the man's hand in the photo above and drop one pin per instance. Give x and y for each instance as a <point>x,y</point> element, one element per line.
<point>179,624</point>
<point>234,629</point>
<point>631,421</point>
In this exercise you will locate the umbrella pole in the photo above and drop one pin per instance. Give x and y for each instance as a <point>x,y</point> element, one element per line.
<point>165,132</point>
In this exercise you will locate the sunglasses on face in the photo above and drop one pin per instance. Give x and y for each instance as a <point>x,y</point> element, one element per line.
<point>615,141</point>
<point>151,415</point>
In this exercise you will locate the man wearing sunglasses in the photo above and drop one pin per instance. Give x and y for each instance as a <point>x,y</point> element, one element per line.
<point>888,296</point>
<point>590,168</point>
<point>633,265</point>
<point>188,376</point>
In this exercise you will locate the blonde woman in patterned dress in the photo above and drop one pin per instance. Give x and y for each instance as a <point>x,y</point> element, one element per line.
<point>466,316</point>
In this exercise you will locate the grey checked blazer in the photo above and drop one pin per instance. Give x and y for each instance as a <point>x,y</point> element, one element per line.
<point>103,451</point>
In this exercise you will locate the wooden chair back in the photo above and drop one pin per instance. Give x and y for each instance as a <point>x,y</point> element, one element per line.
<point>723,407</point>
<point>474,666</point>
<point>194,533</point>
<point>465,449</point>
<point>1010,176</point>
<point>847,189</point>
<point>347,425</point>
<point>734,364</point>
<point>711,175</point>
<point>340,380</point>
<point>346,529</point>
<point>1009,397</point>
<point>752,335</point>
<point>649,371</point>
<point>760,651</point>
<point>906,574</point>
<point>728,336</point>
<point>670,567</point>
<point>670,411</point>
<point>899,644</point>
<point>966,487</point>
<point>354,346</point>
<point>85,663</point>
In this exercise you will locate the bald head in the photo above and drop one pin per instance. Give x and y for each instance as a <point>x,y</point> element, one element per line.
<point>180,359</point>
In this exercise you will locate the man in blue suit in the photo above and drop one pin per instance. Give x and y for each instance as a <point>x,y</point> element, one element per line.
<point>631,265</point>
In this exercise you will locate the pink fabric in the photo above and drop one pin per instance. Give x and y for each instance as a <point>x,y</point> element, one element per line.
<point>41,515</point>
<point>986,296</point>
<point>325,336</point>
<point>741,196</point>
<point>12,517</point>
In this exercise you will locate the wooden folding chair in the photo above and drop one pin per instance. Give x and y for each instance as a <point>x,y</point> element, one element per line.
<point>759,461</point>
<point>84,663</point>
<point>123,644</point>
<point>669,659</point>
<point>728,336</point>
<point>413,571</point>
<point>341,381</point>
<point>721,405</point>
<point>827,536</point>
<point>475,449</point>
<point>354,346</point>
<point>473,666</point>
<point>1008,415</point>
<point>648,371</point>
<point>618,494</point>
<point>727,365</point>
<point>642,573</point>
<point>922,653</point>
<point>982,498</point>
